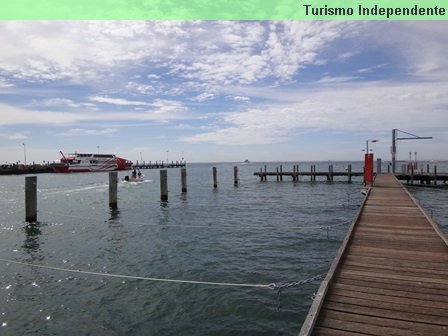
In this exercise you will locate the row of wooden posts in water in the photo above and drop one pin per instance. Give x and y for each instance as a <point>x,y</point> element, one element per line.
<point>296,173</point>
<point>31,190</point>
<point>31,184</point>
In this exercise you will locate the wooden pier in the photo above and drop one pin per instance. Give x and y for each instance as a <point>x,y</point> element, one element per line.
<point>390,276</point>
<point>423,178</point>
<point>159,165</point>
<point>296,175</point>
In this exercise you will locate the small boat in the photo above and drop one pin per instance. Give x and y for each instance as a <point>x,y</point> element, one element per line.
<point>128,178</point>
<point>80,162</point>
<point>135,177</point>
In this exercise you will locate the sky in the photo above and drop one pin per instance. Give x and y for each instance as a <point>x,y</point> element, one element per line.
<point>217,91</point>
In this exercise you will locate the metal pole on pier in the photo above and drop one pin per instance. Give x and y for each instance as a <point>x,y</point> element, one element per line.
<point>163,185</point>
<point>113,190</point>
<point>183,175</point>
<point>30,199</point>
<point>215,178</point>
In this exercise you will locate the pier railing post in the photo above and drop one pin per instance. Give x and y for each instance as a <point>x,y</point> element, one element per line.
<point>113,190</point>
<point>31,199</point>
<point>183,177</point>
<point>163,185</point>
<point>215,178</point>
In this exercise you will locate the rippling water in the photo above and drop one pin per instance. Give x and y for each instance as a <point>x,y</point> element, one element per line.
<point>256,233</point>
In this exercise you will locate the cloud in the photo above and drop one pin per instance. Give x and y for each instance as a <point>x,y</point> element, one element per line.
<point>340,79</point>
<point>118,101</point>
<point>242,99</point>
<point>421,47</point>
<point>159,110</point>
<point>74,132</point>
<point>214,53</point>
<point>55,102</point>
<point>361,107</point>
<point>11,115</point>
<point>15,136</point>
<point>204,96</point>
<point>5,84</point>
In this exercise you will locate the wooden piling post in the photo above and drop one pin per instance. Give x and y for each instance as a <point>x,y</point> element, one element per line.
<point>235,175</point>
<point>164,185</point>
<point>183,177</point>
<point>278,177</point>
<point>215,178</point>
<point>281,171</point>
<point>435,175</point>
<point>265,173</point>
<point>113,190</point>
<point>349,173</point>
<point>294,173</point>
<point>30,199</point>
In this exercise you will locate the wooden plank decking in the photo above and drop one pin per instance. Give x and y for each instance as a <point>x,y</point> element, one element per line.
<point>391,274</point>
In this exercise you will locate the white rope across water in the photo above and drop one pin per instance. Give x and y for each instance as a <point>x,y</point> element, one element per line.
<point>122,276</point>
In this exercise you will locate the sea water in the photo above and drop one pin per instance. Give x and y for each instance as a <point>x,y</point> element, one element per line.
<point>257,233</point>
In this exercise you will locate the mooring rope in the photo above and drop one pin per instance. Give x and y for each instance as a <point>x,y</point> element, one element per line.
<point>123,276</point>
<point>206,226</point>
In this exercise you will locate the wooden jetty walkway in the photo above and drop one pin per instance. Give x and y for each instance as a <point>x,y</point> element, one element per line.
<point>390,276</point>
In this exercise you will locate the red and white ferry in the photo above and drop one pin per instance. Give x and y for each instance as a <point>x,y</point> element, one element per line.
<point>78,162</point>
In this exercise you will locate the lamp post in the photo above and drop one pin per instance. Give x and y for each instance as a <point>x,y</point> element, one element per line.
<point>167,151</point>
<point>98,149</point>
<point>24,152</point>
<point>367,145</point>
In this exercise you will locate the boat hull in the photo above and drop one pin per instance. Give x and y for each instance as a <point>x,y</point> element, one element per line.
<point>88,163</point>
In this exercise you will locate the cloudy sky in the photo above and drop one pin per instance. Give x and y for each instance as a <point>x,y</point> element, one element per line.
<point>222,91</point>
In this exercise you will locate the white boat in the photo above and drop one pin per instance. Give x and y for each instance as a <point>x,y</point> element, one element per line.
<point>135,177</point>
<point>81,162</point>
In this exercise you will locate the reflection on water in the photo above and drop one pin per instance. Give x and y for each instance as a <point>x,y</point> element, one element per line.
<point>114,215</point>
<point>31,244</point>
<point>253,234</point>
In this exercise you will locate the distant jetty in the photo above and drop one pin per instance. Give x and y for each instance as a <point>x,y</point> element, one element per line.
<point>159,165</point>
<point>18,169</point>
